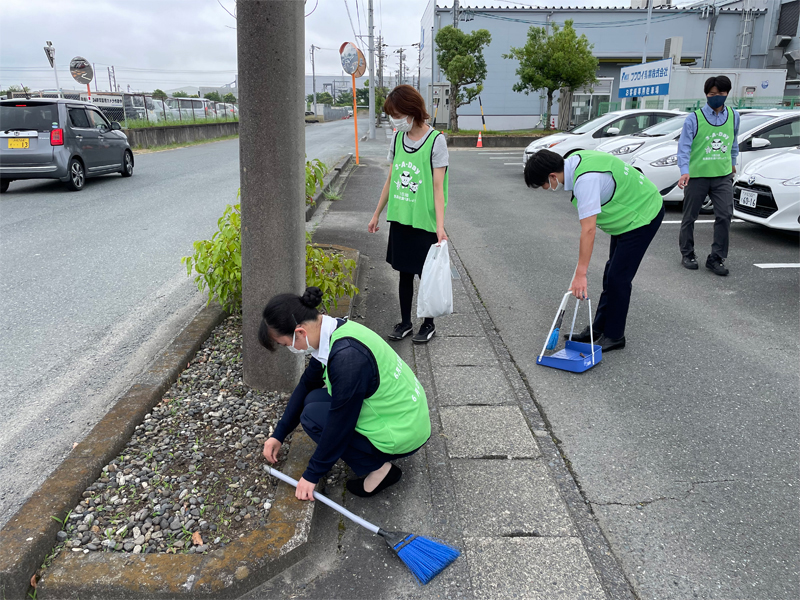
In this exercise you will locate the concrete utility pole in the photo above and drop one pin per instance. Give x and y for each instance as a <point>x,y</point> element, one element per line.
<point>371,117</point>
<point>455,14</point>
<point>270,41</point>
<point>647,30</point>
<point>419,62</point>
<point>313,78</point>
<point>400,52</point>
<point>381,55</point>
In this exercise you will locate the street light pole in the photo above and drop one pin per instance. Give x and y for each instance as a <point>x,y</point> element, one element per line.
<point>50,52</point>
<point>371,118</point>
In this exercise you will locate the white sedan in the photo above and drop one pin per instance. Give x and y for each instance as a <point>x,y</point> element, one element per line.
<point>767,191</point>
<point>591,134</point>
<point>761,133</point>
<point>627,146</point>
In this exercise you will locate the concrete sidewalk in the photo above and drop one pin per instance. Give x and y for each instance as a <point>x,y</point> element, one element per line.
<point>490,480</point>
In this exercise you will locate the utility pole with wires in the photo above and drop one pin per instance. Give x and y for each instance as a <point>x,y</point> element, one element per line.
<point>455,14</point>
<point>381,56</point>
<point>419,62</point>
<point>371,117</point>
<point>400,52</point>
<point>314,78</point>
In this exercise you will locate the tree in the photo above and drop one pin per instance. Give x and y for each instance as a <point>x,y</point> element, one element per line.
<point>460,56</point>
<point>229,98</point>
<point>551,61</point>
<point>180,95</point>
<point>322,98</point>
<point>362,96</point>
<point>213,96</point>
<point>344,99</point>
<point>380,98</point>
<point>159,94</point>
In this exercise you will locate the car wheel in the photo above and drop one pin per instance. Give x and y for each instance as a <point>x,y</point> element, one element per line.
<point>4,186</point>
<point>127,164</point>
<point>707,208</point>
<point>77,176</point>
<point>571,152</point>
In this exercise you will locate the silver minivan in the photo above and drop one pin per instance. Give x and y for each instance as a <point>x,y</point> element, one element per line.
<point>68,140</point>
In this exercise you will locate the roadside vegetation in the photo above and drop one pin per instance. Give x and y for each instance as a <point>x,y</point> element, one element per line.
<point>217,263</point>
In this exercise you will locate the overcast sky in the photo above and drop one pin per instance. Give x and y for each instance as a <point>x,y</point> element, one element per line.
<point>172,43</point>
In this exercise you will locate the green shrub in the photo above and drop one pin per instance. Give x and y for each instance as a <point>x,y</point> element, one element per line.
<point>330,272</point>
<point>218,266</point>
<point>218,261</point>
<point>315,172</point>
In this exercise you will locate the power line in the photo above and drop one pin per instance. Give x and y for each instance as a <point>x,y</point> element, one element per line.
<point>350,18</point>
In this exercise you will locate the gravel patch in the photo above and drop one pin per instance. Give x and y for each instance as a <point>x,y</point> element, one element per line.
<point>190,480</point>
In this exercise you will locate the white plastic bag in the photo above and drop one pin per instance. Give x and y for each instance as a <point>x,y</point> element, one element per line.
<point>435,297</point>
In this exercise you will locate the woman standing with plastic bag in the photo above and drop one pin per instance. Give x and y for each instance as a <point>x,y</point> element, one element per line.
<point>416,194</point>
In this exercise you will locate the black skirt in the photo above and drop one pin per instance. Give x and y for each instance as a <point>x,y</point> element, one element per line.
<point>408,247</point>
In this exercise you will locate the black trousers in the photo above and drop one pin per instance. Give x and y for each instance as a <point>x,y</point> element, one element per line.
<point>720,190</point>
<point>627,252</point>
<point>360,455</point>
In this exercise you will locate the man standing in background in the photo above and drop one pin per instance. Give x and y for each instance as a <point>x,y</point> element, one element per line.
<point>707,152</point>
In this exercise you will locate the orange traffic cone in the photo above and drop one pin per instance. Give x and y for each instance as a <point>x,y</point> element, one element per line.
<point>480,141</point>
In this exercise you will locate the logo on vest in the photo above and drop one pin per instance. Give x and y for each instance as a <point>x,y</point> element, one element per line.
<point>716,146</point>
<point>404,183</point>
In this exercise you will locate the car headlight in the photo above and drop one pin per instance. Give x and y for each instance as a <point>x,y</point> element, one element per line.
<point>667,161</point>
<point>793,181</point>
<point>626,149</point>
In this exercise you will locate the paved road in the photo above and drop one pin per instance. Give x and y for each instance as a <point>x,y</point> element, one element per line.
<point>685,443</point>
<point>93,289</point>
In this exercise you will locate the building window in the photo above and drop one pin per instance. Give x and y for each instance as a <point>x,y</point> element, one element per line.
<point>787,22</point>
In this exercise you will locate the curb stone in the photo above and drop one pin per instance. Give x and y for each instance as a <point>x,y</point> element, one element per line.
<point>327,183</point>
<point>30,534</point>
<point>225,573</point>
<point>609,572</point>
<point>491,141</point>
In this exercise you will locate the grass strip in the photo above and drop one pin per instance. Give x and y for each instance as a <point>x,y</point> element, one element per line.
<point>183,144</point>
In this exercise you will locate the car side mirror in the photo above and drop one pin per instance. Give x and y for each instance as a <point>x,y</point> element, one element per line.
<point>115,126</point>
<point>612,131</point>
<point>758,142</point>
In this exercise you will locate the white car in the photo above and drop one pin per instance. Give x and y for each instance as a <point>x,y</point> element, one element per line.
<point>592,133</point>
<point>626,146</point>
<point>767,191</point>
<point>761,133</point>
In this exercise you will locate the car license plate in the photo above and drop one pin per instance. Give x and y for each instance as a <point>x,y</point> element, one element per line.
<point>748,199</point>
<point>18,143</point>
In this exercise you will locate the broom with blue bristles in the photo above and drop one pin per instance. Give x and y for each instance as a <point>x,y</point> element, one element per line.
<point>425,557</point>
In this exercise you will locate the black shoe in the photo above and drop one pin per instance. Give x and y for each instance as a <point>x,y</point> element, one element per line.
<point>425,333</point>
<point>401,330</point>
<point>714,263</point>
<point>356,486</point>
<point>584,336</point>
<point>689,262</point>
<point>608,344</point>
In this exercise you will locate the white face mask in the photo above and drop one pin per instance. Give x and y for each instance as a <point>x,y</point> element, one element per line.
<point>401,124</point>
<point>556,187</point>
<point>294,350</point>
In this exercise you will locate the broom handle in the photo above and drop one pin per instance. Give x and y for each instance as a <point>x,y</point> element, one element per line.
<point>561,307</point>
<point>325,500</point>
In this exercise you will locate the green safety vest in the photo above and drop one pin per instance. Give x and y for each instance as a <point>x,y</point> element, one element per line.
<point>395,418</point>
<point>411,185</point>
<point>635,201</point>
<point>711,147</point>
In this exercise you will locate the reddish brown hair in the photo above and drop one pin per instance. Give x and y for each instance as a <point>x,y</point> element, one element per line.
<point>404,100</point>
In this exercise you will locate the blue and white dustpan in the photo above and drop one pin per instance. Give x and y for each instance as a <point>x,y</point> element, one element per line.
<point>576,357</point>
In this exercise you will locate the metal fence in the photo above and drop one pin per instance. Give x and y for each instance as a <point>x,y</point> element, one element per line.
<point>143,110</point>
<point>331,113</point>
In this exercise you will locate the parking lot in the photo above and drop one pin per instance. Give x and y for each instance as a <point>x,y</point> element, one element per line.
<point>684,443</point>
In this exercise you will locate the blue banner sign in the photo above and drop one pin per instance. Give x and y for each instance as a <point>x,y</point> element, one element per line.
<point>648,79</point>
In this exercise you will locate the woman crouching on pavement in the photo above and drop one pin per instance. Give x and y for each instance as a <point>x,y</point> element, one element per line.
<point>357,399</point>
<point>416,192</point>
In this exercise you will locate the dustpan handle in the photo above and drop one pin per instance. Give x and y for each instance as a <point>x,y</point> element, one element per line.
<point>574,316</point>
<point>591,329</point>
<point>561,307</point>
